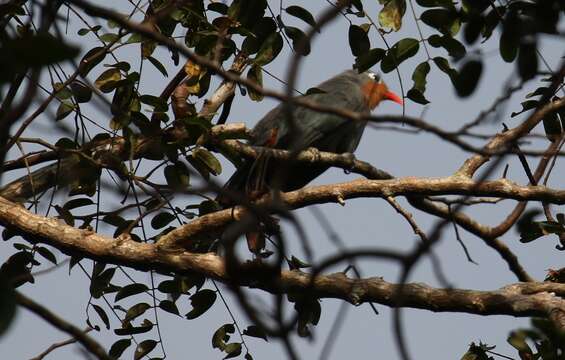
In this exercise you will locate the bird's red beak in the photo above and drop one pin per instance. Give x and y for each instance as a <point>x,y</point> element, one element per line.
<point>389,95</point>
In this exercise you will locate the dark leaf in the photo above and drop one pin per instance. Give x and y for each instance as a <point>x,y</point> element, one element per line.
<point>468,77</point>
<point>169,306</point>
<point>92,58</point>
<point>7,302</point>
<point>444,66</point>
<point>76,203</point>
<point>369,59</point>
<point>158,103</point>
<point>169,287</point>
<point>144,348</point>
<point>552,126</point>
<point>99,284</point>
<point>222,335</point>
<point>146,326</point>
<point>81,92</point>
<point>508,46</point>
<point>109,37</point>
<point>269,50</point>
<point>392,13</point>
<point>158,66</point>
<point>66,215</point>
<point>435,3</point>
<point>161,220</point>
<point>454,48</point>
<point>300,43</point>
<point>302,14</point>
<point>419,76</point>
<point>218,7</point>
<point>201,302</point>
<point>107,81</point>
<point>47,254</point>
<point>526,105</point>
<point>399,52</point>
<point>445,21</point>
<point>358,40</point>
<point>35,50</point>
<point>102,314</point>
<point>527,60</point>
<point>255,331</point>
<point>118,348</point>
<point>177,176</point>
<point>130,290</point>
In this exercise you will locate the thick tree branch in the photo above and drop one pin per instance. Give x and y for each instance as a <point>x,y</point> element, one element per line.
<point>523,299</point>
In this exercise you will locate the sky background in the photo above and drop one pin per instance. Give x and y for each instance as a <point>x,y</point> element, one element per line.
<point>360,223</point>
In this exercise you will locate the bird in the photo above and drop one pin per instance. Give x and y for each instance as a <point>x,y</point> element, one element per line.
<point>350,90</point>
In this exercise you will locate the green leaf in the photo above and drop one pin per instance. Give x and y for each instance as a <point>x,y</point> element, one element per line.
<point>99,283</point>
<point>144,348</point>
<point>109,37</point>
<point>300,43</point>
<point>136,311</point>
<point>435,3</point>
<point>269,50</point>
<point>106,82</point>
<point>508,46</point>
<point>445,21</point>
<point>255,331</point>
<point>201,302</point>
<point>222,335</point>
<point>64,109</point>
<point>130,290</point>
<point>232,350</point>
<point>358,40</point>
<point>402,50</point>
<point>454,48</point>
<point>102,315</point>
<point>118,348</point>
<point>392,13</point>
<point>158,103</point>
<point>302,14</point>
<point>255,74</point>
<point>468,77</point>
<point>92,58</point>
<point>369,59</point>
<point>208,159</point>
<point>161,220</point>
<point>169,306</point>
<point>158,66</point>
<point>47,254</point>
<point>177,176</point>
<point>552,126</point>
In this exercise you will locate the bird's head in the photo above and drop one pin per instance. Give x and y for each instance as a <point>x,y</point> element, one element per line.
<point>375,90</point>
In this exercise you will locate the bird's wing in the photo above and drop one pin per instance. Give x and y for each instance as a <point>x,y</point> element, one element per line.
<point>274,130</point>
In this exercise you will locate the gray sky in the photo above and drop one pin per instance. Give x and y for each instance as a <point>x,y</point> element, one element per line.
<point>360,223</point>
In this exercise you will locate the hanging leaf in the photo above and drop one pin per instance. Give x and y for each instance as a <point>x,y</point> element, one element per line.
<point>445,21</point>
<point>222,335</point>
<point>419,75</point>
<point>232,350</point>
<point>392,13</point>
<point>269,50</point>
<point>201,302</point>
<point>158,65</point>
<point>302,14</point>
<point>444,66</point>
<point>81,92</point>
<point>508,46</point>
<point>130,290</point>
<point>144,348</point>
<point>7,301</point>
<point>402,50</point>
<point>552,126</point>
<point>46,253</point>
<point>169,306</point>
<point>161,220</point>
<point>177,176</point>
<point>369,59</point>
<point>102,314</point>
<point>92,58</point>
<point>454,48</point>
<point>468,77</point>
<point>64,109</point>
<point>136,311</point>
<point>118,348</point>
<point>300,43</point>
<point>527,60</point>
<point>208,159</point>
<point>106,82</point>
<point>146,326</point>
<point>358,40</point>
<point>255,74</point>
<point>255,331</point>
